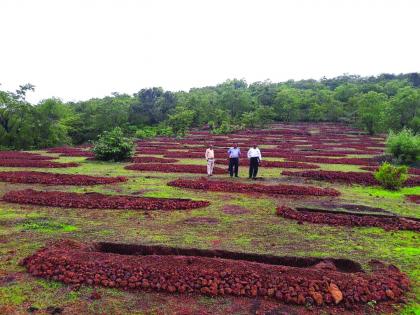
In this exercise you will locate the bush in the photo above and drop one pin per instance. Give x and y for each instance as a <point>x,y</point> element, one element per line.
<point>225,127</point>
<point>146,132</point>
<point>113,145</point>
<point>404,146</point>
<point>391,177</point>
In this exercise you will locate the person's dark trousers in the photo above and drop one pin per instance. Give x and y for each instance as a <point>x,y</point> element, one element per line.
<point>233,166</point>
<point>253,167</point>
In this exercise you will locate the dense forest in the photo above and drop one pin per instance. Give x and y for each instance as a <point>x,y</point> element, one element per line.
<point>376,104</point>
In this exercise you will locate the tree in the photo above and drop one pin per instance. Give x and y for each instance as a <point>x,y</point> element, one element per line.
<point>181,120</point>
<point>287,104</point>
<point>151,106</point>
<point>404,146</point>
<point>405,109</point>
<point>113,146</point>
<point>372,107</point>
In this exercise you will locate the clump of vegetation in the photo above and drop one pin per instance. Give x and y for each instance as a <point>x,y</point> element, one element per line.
<point>391,177</point>
<point>153,131</point>
<point>44,225</point>
<point>404,146</point>
<point>113,146</point>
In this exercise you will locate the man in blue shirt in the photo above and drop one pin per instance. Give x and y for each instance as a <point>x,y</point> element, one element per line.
<point>234,154</point>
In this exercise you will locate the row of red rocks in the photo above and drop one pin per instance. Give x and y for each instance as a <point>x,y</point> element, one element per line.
<point>34,163</point>
<point>360,178</point>
<point>228,186</point>
<point>57,179</point>
<point>99,201</point>
<point>347,219</point>
<point>173,168</point>
<point>322,284</point>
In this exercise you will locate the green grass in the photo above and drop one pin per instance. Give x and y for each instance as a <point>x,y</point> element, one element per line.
<point>24,229</point>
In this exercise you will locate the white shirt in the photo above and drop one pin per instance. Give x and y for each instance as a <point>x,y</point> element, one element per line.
<point>209,154</point>
<point>254,153</point>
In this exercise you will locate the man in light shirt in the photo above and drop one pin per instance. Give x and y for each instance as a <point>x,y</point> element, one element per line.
<point>210,160</point>
<point>234,154</point>
<point>254,156</point>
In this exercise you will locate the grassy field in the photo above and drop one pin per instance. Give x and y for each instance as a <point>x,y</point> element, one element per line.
<point>24,229</point>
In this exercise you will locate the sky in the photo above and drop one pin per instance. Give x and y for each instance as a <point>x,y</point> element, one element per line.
<point>79,49</point>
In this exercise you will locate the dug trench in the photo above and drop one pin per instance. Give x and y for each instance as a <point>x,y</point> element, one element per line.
<point>328,282</point>
<point>357,212</point>
<point>341,218</point>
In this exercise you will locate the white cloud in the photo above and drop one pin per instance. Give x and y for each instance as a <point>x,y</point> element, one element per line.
<point>77,49</point>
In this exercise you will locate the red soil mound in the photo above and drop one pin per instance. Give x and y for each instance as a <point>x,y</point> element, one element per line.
<point>227,186</point>
<point>79,153</point>
<point>34,163</point>
<point>57,179</point>
<point>18,155</point>
<point>291,280</point>
<point>99,201</point>
<point>345,219</point>
<point>361,178</point>
<point>351,161</point>
<point>413,171</point>
<point>414,198</point>
<point>173,168</point>
<point>152,159</point>
<point>274,164</point>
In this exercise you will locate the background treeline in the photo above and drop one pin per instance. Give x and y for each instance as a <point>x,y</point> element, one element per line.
<point>376,104</point>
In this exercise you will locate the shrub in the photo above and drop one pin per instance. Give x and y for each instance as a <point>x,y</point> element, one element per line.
<point>113,145</point>
<point>404,146</point>
<point>146,132</point>
<point>391,177</point>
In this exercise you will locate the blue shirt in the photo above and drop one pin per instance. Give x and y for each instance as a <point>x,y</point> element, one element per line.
<point>234,153</point>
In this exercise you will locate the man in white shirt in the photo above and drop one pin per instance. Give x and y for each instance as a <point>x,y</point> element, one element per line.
<point>254,156</point>
<point>210,160</point>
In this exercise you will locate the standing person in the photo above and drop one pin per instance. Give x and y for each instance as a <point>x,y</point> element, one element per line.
<point>234,155</point>
<point>254,156</point>
<point>210,160</point>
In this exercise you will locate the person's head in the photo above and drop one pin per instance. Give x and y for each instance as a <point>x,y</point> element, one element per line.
<point>211,147</point>
<point>254,146</point>
<point>235,145</point>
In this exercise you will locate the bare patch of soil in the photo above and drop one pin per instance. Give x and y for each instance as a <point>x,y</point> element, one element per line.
<point>235,210</point>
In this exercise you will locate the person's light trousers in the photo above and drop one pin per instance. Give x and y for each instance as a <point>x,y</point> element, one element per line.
<point>210,166</point>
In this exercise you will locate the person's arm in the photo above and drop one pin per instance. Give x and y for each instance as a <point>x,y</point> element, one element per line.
<point>249,154</point>
<point>207,154</point>
<point>239,152</point>
<point>228,151</point>
<point>259,155</point>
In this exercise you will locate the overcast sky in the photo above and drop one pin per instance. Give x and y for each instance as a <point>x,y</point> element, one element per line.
<point>78,49</point>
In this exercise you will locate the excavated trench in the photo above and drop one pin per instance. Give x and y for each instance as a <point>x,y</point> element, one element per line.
<point>355,212</point>
<point>345,218</point>
<point>290,280</point>
<point>342,265</point>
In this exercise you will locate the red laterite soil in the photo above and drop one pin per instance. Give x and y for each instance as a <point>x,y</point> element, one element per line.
<point>227,186</point>
<point>361,178</point>
<point>386,222</point>
<point>99,201</point>
<point>151,159</point>
<point>57,179</point>
<point>291,280</point>
<point>23,162</point>
<point>174,168</point>
<point>414,198</point>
